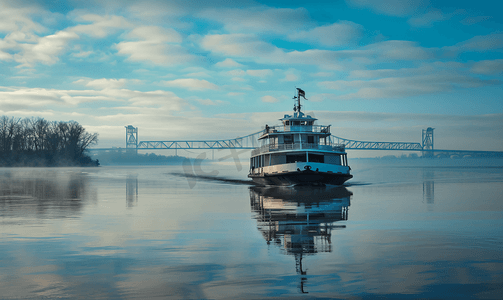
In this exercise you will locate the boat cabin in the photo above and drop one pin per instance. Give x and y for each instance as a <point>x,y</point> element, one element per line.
<point>298,139</point>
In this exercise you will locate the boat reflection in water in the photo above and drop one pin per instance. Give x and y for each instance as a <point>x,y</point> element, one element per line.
<point>300,219</point>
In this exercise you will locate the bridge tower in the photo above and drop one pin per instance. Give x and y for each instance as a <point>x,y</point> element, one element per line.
<point>132,138</point>
<point>428,141</point>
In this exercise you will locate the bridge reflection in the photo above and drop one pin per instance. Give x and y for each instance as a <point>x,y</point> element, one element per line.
<point>299,220</point>
<point>132,190</point>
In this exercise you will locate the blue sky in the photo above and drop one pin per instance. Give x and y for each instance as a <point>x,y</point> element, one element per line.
<point>374,70</point>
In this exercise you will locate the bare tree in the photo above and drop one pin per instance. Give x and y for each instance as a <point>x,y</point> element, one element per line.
<point>52,143</point>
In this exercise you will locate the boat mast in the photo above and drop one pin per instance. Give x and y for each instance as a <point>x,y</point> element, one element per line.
<point>300,93</point>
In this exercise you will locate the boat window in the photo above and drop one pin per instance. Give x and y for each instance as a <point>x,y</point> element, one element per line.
<point>310,123</point>
<point>287,122</point>
<point>277,159</point>
<point>310,139</point>
<point>319,158</point>
<point>296,158</point>
<point>288,139</point>
<point>296,123</point>
<point>333,159</point>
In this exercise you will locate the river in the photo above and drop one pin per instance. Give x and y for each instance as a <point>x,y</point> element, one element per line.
<point>394,231</point>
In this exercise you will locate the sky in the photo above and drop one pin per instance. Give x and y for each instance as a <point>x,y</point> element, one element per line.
<point>190,70</point>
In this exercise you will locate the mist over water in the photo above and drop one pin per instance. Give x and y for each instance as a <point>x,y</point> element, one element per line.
<point>395,230</point>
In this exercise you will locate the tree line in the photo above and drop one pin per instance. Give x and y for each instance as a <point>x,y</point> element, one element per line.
<point>38,142</point>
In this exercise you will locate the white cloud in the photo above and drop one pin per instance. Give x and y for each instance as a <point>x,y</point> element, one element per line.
<point>101,26</point>
<point>154,53</point>
<point>398,87</point>
<point>241,45</point>
<point>197,74</point>
<point>103,83</point>
<point>269,99</point>
<point>191,84</point>
<point>374,53</point>
<point>291,75</point>
<point>155,34</point>
<point>28,113</point>
<point>488,67</point>
<point>322,74</point>
<point>322,97</point>
<point>258,19</point>
<point>380,73</point>
<point>25,99</point>
<point>29,98</point>
<point>428,19</point>
<point>236,72</point>
<point>158,11</point>
<point>399,50</point>
<point>46,50</point>
<point>341,33</point>
<point>425,68</point>
<point>259,73</point>
<point>155,45</point>
<point>392,7</point>
<point>210,102</point>
<point>228,63</point>
<point>250,47</point>
<point>480,43</point>
<point>20,42</point>
<point>5,55</point>
<point>82,54</point>
<point>475,19</point>
<point>18,19</point>
<point>152,100</point>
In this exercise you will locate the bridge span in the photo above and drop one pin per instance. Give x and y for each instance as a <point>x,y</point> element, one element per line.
<point>251,142</point>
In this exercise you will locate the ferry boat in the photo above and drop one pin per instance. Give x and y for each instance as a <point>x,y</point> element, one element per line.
<point>298,152</point>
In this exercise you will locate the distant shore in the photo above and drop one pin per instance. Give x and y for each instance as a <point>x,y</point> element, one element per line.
<point>20,161</point>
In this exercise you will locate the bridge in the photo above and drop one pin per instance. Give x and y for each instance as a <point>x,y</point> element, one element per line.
<point>251,142</point>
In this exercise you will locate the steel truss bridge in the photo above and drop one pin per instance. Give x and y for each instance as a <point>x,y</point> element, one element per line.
<point>251,142</point>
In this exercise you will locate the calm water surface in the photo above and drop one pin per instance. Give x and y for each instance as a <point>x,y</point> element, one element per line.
<point>142,232</point>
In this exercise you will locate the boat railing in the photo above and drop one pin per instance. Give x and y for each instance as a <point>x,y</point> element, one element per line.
<point>301,146</point>
<point>297,128</point>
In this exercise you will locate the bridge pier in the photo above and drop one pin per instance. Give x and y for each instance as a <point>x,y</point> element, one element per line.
<point>428,141</point>
<point>132,138</point>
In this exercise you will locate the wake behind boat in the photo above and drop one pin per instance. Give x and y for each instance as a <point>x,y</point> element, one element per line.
<point>298,152</point>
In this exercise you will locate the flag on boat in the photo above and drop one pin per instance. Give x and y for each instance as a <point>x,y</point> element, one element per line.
<point>302,93</point>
